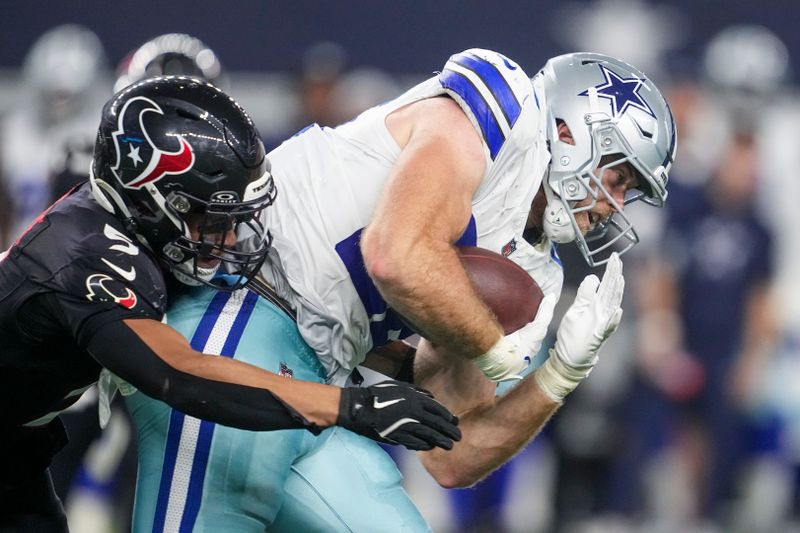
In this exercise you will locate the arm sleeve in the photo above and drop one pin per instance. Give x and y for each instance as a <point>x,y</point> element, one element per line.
<point>118,348</point>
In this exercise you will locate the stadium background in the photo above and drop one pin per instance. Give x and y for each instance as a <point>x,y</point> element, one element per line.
<point>570,478</point>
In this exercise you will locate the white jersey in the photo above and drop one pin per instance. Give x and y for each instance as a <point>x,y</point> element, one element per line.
<point>329,180</point>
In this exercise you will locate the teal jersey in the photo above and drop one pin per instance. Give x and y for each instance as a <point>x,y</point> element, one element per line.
<point>195,475</point>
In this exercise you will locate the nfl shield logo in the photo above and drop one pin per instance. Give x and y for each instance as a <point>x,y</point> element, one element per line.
<point>285,371</point>
<point>509,248</point>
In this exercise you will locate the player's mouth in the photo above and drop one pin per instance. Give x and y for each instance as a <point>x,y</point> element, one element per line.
<point>589,221</point>
<point>594,220</point>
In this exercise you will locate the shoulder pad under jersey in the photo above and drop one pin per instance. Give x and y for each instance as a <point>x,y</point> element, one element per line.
<point>491,89</point>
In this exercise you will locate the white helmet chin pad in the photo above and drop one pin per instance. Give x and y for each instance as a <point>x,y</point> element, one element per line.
<point>182,270</point>
<point>557,223</point>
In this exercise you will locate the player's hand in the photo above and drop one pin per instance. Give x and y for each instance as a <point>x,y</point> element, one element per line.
<point>394,412</point>
<point>591,319</point>
<point>512,354</point>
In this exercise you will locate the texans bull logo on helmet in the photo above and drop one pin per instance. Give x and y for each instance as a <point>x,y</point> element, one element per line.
<point>139,161</point>
<point>104,288</point>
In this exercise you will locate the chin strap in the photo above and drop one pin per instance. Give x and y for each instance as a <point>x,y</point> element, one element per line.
<point>104,194</point>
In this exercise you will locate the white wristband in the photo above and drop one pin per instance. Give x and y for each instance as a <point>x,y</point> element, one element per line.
<point>503,361</point>
<point>557,379</point>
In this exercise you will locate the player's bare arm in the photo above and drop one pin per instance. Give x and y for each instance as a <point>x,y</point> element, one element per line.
<point>425,207</point>
<point>494,428</point>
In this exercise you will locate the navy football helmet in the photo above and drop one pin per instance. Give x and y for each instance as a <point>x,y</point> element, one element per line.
<point>181,163</point>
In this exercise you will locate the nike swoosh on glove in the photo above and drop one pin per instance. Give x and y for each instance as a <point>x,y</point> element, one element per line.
<point>394,412</point>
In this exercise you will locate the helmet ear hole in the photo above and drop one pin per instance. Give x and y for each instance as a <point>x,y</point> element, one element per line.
<point>564,133</point>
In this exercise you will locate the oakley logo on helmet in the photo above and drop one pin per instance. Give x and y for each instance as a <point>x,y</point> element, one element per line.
<point>224,197</point>
<point>623,93</point>
<point>102,288</point>
<point>139,161</point>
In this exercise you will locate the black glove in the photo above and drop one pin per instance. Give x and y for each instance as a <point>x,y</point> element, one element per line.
<point>394,412</point>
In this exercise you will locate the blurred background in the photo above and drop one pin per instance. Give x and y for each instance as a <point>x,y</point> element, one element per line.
<point>691,421</point>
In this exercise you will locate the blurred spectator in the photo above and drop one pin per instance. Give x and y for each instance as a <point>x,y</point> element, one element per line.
<point>172,53</point>
<point>323,65</point>
<point>64,80</point>
<point>360,89</point>
<point>312,88</point>
<point>644,30</point>
<point>746,66</point>
<point>328,92</point>
<point>707,315</point>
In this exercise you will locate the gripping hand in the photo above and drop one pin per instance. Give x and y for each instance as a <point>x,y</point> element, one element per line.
<point>394,412</point>
<point>591,319</point>
<point>514,352</point>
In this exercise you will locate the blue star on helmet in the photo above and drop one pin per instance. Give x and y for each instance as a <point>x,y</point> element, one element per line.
<point>622,92</point>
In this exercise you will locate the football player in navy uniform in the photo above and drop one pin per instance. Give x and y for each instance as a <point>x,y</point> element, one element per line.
<point>178,169</point>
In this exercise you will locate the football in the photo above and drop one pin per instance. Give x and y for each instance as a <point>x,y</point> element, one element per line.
<point>504,286</point>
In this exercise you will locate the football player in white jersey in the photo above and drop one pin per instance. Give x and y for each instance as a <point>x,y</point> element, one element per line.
<point>368,214</point>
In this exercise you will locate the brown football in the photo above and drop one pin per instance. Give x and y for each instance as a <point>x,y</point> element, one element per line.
<point>506,288</point>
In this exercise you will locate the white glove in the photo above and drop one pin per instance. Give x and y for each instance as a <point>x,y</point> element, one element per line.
<point>513,353</point>
<point>591,319</point>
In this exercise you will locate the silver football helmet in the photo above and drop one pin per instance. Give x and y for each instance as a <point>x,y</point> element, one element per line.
<point>611,109</point>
